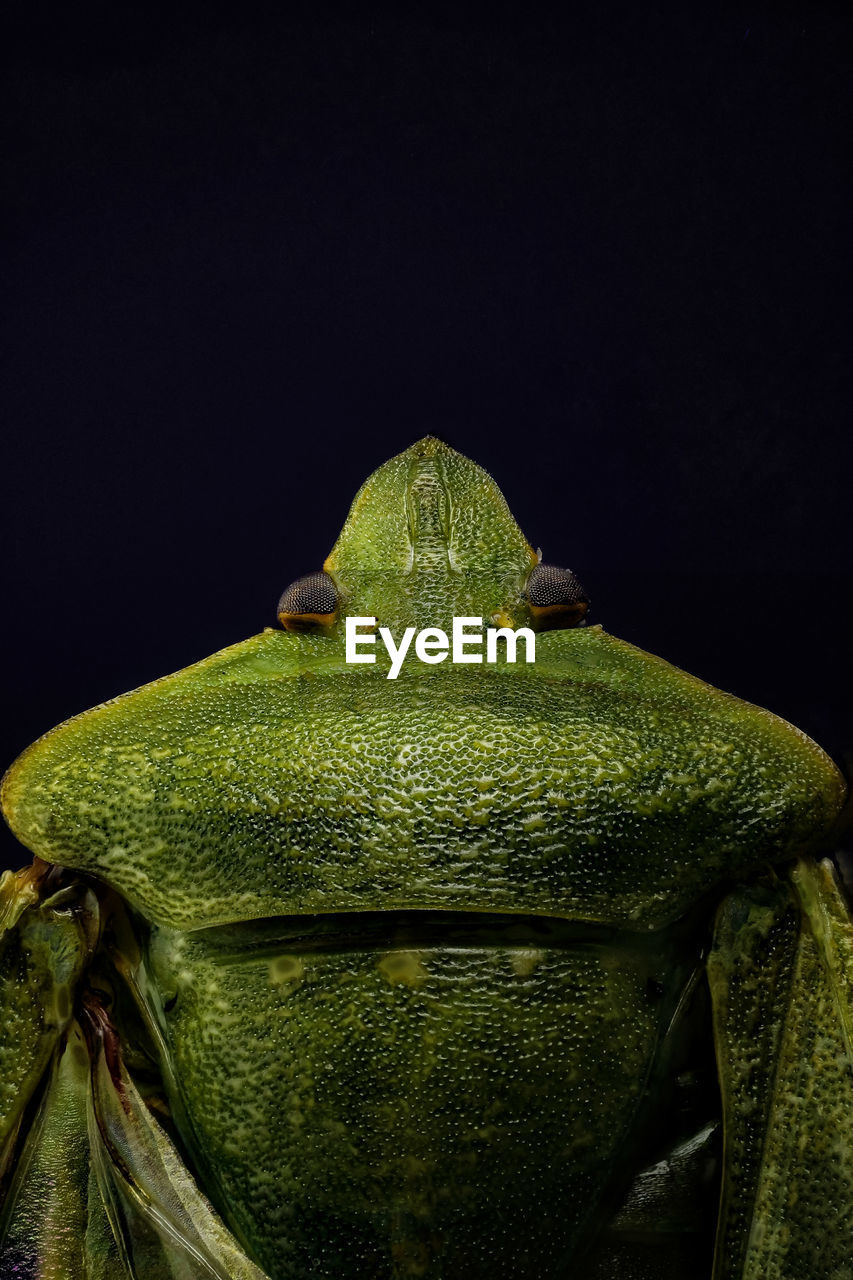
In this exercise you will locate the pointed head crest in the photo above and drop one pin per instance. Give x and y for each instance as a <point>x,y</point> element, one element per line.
<point>429,537</point>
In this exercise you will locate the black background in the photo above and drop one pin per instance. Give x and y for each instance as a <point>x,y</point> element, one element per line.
<point>252,250</point>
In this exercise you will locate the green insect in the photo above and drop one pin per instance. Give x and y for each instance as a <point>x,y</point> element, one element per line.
<point>507,969</point>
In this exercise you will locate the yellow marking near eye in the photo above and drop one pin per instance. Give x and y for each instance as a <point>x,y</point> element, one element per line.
<point>305,621</point>
<point>550,616</point>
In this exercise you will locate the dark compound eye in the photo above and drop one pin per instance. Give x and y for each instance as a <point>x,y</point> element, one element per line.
<point>308,602</point>
<point>556,598</point>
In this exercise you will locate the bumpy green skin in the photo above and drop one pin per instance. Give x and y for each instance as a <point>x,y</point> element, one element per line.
<point>781,973</point>
<point>382,1109</point>
<point>459,1106</point>
<point>43,950</point>
<point>599,784</point>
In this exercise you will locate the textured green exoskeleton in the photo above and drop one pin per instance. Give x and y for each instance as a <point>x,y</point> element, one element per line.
<point>512,970</point>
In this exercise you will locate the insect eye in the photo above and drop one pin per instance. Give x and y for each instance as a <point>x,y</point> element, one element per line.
<point>556,598</point>
<point>308,602</point>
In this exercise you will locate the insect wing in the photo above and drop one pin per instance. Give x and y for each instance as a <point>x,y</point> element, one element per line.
<point>781,975</point>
